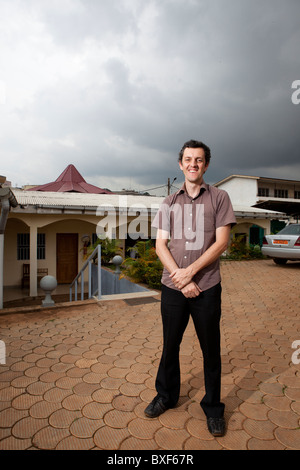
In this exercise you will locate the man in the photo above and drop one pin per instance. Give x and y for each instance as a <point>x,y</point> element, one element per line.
<point>193,231</point>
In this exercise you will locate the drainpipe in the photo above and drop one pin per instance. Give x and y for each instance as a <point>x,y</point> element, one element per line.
<point>3,219</point>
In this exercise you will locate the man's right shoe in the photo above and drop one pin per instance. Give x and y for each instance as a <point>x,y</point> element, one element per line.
<point>216,426</point>
<point>155,408</point>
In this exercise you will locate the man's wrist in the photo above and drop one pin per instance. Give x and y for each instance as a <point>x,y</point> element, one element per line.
<point>192,270</point>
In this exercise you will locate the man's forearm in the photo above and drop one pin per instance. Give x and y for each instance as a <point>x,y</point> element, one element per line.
<point>165,256</point>
<point>181,277</point>
<point>190,290</point>
<point>211,254</point>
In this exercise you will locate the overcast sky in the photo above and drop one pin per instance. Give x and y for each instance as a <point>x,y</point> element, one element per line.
<point>117,86</point>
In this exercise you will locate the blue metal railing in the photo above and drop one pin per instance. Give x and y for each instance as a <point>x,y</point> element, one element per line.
<point>94,277</point>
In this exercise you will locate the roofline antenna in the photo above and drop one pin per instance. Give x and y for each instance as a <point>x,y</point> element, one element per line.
<point>170,185</point>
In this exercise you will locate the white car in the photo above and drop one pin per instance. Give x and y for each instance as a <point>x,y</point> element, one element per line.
<point>283,246</point>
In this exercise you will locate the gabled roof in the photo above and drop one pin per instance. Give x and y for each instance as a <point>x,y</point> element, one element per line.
<point>70,180</point>
<point>56,202</point>
<point>228,178</point>
<point>259,178</point>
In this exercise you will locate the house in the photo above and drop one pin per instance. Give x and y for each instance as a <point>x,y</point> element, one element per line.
<point>50,227</point>
<point>261,205</point>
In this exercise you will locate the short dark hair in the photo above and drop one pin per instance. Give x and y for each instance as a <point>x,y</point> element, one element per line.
<point>195,144</point>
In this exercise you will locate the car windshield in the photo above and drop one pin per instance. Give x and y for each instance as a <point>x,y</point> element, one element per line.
<point>290,230</point>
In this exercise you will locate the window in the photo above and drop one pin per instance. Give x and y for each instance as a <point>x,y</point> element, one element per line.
<point>264,192</point>
<point>23,246</point>
<point>281,193</point>
<point>23,249</point>
<point>41,246</point>
<point>297,195</point>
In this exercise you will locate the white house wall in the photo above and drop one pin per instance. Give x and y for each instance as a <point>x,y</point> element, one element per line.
<point>50,225</point>
<point>242,191</point>
<point>244,225</point>
<point>13,268</point>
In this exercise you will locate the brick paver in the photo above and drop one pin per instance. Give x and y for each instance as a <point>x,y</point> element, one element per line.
<point>80,377</point>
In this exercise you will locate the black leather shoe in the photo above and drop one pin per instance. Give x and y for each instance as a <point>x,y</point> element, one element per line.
<point>155,408</point>
<point>216,426</point>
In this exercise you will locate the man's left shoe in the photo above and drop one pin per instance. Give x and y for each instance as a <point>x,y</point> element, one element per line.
<point>216,426</point>
<point>155,408</point>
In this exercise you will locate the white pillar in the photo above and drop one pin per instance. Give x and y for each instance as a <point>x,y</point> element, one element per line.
<point>3,219</point>
<point>33,261</point>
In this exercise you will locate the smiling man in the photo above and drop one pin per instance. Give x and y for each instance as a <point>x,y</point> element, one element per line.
<point>193,229</point>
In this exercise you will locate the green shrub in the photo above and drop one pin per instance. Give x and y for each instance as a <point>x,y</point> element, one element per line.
<point>146,267</point>
<point>109,248</point>
<point>239,250</point>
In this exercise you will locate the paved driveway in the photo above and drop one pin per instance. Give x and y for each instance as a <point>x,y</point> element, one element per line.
<point>80,377</point>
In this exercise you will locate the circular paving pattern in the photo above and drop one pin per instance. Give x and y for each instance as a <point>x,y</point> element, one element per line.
<point>80,377</point>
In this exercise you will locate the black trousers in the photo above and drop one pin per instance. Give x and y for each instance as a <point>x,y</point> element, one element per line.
<point>206,313</point>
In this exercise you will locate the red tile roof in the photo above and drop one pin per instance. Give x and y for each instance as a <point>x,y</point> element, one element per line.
<point>70,181</point>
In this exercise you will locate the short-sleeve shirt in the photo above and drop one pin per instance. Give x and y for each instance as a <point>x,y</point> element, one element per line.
<point>190,225</point>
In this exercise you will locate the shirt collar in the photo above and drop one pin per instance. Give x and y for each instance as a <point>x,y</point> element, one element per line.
<point>203,187</point>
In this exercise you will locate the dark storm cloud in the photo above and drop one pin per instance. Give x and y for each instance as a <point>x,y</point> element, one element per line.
<point>117,87</point>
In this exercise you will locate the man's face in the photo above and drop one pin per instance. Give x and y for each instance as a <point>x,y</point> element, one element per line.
<point>193,165</point>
